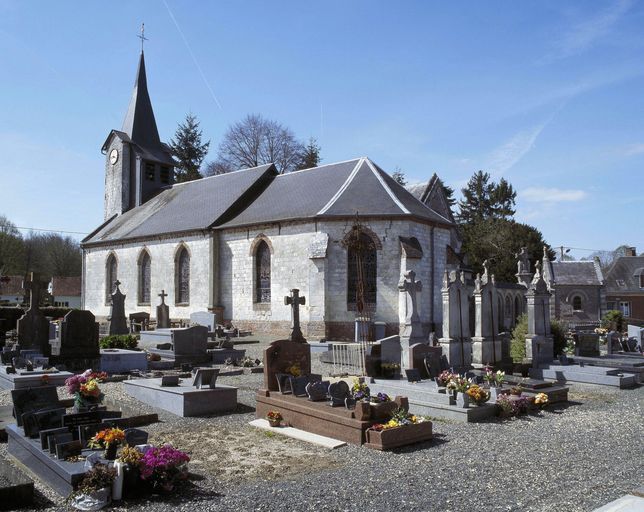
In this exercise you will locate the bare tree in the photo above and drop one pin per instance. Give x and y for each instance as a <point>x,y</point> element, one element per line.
<point>256,141</point>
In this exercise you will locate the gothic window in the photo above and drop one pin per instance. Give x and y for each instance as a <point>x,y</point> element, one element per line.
<point>111,268</point>
<point>145,274</point>
<point>361,273</point>
<point>263,273</point>
<point>576,303</point>
<point>182,272</point>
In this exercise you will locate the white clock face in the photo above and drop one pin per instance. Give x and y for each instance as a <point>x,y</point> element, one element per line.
<point>114,156</point>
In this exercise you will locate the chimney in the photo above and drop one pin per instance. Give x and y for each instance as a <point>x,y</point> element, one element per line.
<point>630,251</point>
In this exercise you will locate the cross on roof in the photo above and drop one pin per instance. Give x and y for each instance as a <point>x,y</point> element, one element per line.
<point>142,36</point>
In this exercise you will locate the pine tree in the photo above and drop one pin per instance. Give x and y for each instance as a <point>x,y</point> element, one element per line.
<point>310,155</point>
<point>188,150</point>
<point>483,199</point>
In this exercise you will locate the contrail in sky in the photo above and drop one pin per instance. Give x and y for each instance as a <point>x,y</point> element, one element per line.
<point>194,59</point>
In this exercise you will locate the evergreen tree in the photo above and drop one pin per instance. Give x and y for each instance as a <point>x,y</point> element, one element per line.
<point>449,193</point>
<point>503,200</point>
<point>483,199</point>
<point>188,149</point>
<point>399,176</point>
<point>310,155</point>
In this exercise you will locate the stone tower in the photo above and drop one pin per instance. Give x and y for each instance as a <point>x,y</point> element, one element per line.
<point>137,164</point>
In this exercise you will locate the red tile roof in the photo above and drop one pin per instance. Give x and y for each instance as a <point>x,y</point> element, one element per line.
<point>66,286</point>
<point>12,287</point>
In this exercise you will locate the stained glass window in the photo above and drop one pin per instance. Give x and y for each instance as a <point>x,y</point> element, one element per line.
<point>145,268</point>
<point>110,277</point>
<point>183,277</point>
<point>263,273</point>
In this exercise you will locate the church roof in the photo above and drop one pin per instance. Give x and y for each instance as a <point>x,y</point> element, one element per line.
<point>335,190</point>
<point>261,195</point>
<point>577,273</point>
<point>183,207</point>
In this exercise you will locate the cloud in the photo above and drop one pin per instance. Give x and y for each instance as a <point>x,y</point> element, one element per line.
<point>634,149</point>
<point>513,150</point>
<point>587,32</point>
<point>552,195</point>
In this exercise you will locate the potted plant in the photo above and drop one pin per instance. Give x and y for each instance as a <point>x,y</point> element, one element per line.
<point>477,394</point>
<point>95,489</point>
<point>108,440</point>
<point>85,390</point>
<point>460,385</point>
<point>164,467</point>
<point>403,428</point>
<point>130,460</point>
<point>274,418</point>
<point>443,378</point>
<point>541,400</point>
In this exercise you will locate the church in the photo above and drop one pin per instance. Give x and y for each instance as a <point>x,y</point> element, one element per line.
<point>237,243</point>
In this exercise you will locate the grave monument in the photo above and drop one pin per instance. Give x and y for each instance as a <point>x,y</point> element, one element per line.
<point>486,343</point>
<point>539,344</point>
<point>412,331</point>
<point>163,312</point>
<point>33,327</point>
<point>456,341</point>
<point>117,318</point>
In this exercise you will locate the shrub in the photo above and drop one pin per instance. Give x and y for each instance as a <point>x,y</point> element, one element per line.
<point>558,329</point>
<point>519,334</point>
<point>613,319</point>
<point>124,341</point>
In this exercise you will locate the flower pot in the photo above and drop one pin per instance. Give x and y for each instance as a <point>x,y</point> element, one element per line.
<point>463,400</point>
<point>274,423</point>
<point>110,452</point>
<point>399,436</point>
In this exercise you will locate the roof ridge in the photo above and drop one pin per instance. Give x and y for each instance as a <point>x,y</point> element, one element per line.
<point>216,176</point>
<point>320,166</point>
<point>344,186</point>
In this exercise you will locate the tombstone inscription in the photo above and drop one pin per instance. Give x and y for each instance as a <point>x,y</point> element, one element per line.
<point>33,399</point>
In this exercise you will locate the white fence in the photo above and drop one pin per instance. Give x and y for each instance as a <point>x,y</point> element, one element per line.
<point>348,358</point>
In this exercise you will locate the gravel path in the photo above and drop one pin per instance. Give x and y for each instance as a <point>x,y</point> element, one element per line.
<point>575,458</point>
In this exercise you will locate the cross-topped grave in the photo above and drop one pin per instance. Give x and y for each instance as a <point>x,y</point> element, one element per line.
<point>456,341</point>
<point>295,301</point>
<point>163,312</point>
<point>412,333</point>
<point>33,327</point>
<point>118,321</point>
<point>486,343</point>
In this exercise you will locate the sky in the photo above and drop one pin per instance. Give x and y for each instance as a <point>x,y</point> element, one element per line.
<point>548,95</point>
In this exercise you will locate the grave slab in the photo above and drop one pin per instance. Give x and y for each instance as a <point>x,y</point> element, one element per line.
<point>23,379</point>
<point>183,400</point>
<point>585,374</point>
<point>300,435</point>
<point>116,360</point>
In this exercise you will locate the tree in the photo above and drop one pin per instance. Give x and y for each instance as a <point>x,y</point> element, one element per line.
<point>310,156</point>
<point>12,248</point>
<point>606,258</point>
<point>188,149</point>
<point>449,194</point>
<point>483,199</point>
<point>216,167</point>
<point>257,141</point>
<point>497,240</point>
<point>399,176</point>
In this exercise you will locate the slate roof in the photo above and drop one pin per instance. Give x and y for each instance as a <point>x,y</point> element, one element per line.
<point>627,269</point>
<point>190,206</point>
<point>331,191</point>
<point>582,273</point>
<point>260,196</point>
<point>66,286</point>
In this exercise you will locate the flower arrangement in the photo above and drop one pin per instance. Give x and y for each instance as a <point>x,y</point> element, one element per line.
<point>274,416</point>
<point>399,418</point>
<point>380,398</point>
<point>294,370</point>
<point>541,399</point>
<point>444,377</point>
<point>106,438</point>
<point>85,389</point>
<point>360,390</point>
<point>130,455</point>
<point>478,394</point>
<point>99,477</point>
<point>459,383</point>
<point>494,378</point>
<point>516,391</point>
<point>512,406</point>
<point>164,466</point>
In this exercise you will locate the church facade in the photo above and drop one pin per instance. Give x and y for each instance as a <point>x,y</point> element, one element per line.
<point>237,243</point>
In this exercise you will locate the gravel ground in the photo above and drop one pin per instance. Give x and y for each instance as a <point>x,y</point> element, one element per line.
<point>573,458</point>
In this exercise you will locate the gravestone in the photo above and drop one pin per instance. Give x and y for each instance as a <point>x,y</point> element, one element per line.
<point>163,312</point>
<point>390,350</point>
<point>539,344</point>
<point>419,353</point>
<point>191,342</point>
<point>75,420</point>
<point>413,375</point>
<point>33,327</point>
<point>282,355</point>
<point>135,436</point>
<point>68,449</point>
<point>34,422</point>
<point>86,432</point>
<point>339,392</point>
<point>413,330</point>
<point>206,377</point>
<point>78,347</point>
<point>204,318</point>
<point>486,343</point>
<point>456,342</point>
<point>587,345</point>
<point>317,391</point>
<point>117,318</point>
<point>298,385</point>
<point>44,435</point>
<point>55,439</point>
<point>139,321</point>
<point>295,301</point>
<point>33,399</point>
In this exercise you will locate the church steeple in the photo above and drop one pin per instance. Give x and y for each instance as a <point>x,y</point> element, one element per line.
<point>139,122</point>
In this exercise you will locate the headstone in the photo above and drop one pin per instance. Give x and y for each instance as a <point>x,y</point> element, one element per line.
<point>75,420</point>
<point>456,341</point>
<point>539,343</point>
<point>204,318</point>
<point>86,432</point>
<point>419,353</point>
<point>33,327</point>
<point>390,350</point>
<point>34,422</point>
<point>486,343</point>
<point>413,331</point>
<point>206,377</point>
<point>587,345</point>
<point>68,449</point>
<point>135,436</point>
<point>413,375</point>
<point>163,312</point>
<point>117,318</point>
<point>317,391</point>
<point>33,399</point>
<point>295,301</point>
<point>139,321</point>
<point>44,435</point>
<point>55,439</point>
<point>169,380</point>
<point>282,355</point>
<point>191,341</point>
<point>338,392</point>
<point>298,385</point>
<point>78,341</point>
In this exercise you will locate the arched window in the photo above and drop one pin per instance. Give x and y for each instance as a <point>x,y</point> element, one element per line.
<point>263,273</point>
<point>111,270</point>
<point>182,277</point>
<point>361,273</point>
<point>576,303</point>
<point>145,274</point>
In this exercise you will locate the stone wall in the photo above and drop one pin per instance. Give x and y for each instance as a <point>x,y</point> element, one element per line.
<point>593,303</point>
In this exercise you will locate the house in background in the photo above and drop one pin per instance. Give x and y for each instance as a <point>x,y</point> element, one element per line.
<point>11,292</point>
<point>65,292</point>
<point>625,285</point>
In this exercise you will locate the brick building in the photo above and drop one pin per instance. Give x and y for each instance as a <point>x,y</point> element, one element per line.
<point>625,285</point>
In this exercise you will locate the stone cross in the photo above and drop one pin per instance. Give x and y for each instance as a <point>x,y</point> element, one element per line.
<point>163,312</point>
<point>409,285</point>
<point>295,301</point>
<point>163,295</point>
<point>33,286</point>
